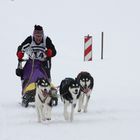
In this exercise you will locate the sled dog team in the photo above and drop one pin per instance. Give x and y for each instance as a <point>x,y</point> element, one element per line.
<point>72,92</point>
<point>36,78</point>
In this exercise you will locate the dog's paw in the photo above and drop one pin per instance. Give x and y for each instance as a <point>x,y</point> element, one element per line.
<point>48,119</point>
<point>66,116</point>
<point>85,110</point>
<point>44,119</point>
<point>79,110</point>
<point>71,118</point>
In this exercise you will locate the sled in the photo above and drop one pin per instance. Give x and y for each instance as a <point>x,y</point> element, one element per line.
<point>32,70</point>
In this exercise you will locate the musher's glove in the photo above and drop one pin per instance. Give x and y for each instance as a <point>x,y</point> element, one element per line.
<point>20,55</point>
<point>48,53</point>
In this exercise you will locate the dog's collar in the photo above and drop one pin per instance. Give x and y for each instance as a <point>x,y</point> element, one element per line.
<point>43,101</point>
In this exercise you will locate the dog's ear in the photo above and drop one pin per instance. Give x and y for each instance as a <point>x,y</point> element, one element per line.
<point>47,81</point>
<point>89,74</point>
<point>77,81</point>
<point>78,76</point>
<point>38,81</point>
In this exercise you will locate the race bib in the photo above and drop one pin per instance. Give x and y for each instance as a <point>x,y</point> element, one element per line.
<point>37,54</point>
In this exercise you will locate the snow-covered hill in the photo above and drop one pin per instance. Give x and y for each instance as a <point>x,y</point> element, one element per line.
<point>114,108</point>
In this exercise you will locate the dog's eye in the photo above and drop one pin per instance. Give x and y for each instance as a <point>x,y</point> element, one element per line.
<point>83,79</point>
<point>42,84</point>
<point>46,84</point>
<point>73,85</point>
<point>87,79</point>
<point>77,85</point>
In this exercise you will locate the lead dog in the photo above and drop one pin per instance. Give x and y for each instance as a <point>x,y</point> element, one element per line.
<point>86,83</point>
<point>44,99</point>
<point>69,92</point>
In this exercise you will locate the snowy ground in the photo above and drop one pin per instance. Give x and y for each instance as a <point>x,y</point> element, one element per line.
<point>114,108</point>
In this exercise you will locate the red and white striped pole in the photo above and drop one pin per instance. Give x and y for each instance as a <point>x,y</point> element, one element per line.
<point>88,48</point>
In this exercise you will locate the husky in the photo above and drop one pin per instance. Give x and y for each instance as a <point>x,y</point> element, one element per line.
<point>45,99</point>
<point>86,83</point>
<point>69,93</point>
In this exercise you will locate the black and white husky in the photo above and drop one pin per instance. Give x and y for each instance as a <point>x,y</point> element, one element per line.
<point>86,83</point>
<point>44,99</point>
<point>69,92</point>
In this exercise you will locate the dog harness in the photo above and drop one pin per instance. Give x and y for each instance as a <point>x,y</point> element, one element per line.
<point>43,101</point>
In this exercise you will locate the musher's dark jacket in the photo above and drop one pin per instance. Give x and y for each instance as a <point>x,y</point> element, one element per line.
<point>45,41</point>
<point>48,43</point>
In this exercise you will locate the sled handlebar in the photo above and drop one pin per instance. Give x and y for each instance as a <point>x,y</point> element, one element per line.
<point>22,60</point>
